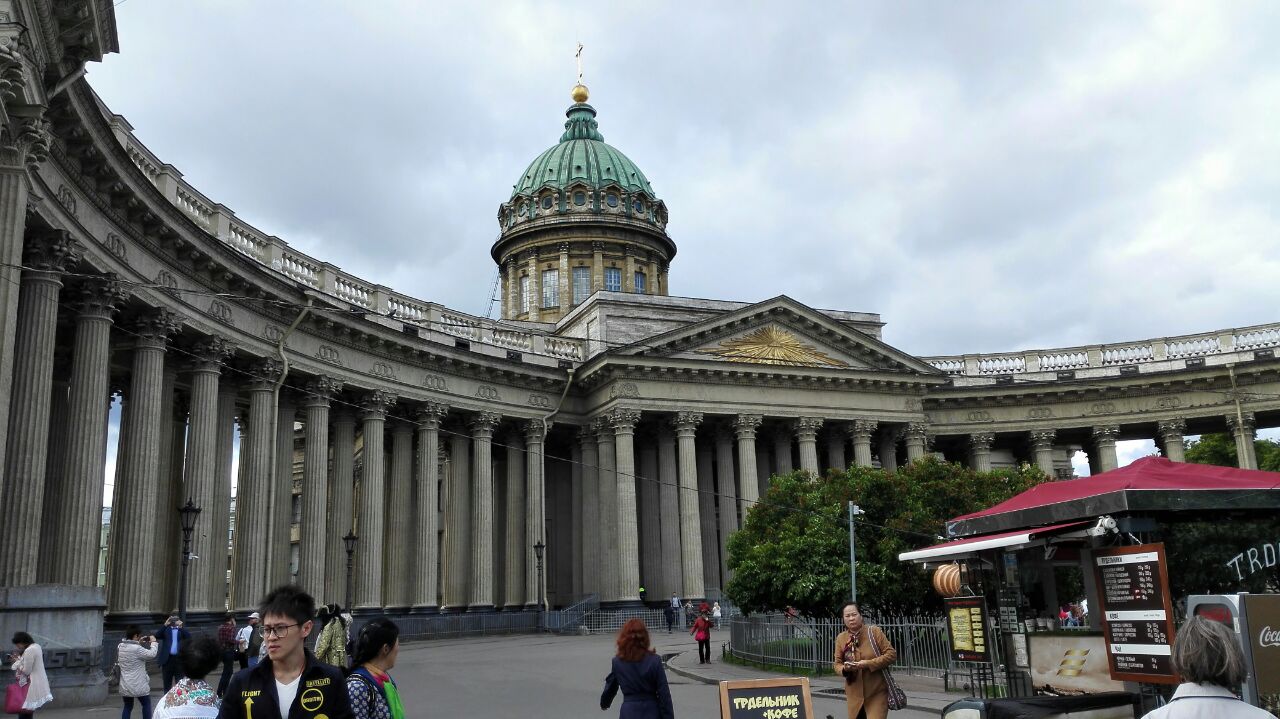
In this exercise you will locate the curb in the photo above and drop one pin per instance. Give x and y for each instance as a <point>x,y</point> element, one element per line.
<point>686,673</point>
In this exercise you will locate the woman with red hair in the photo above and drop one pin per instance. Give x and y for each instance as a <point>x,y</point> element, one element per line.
<point>639,673</point>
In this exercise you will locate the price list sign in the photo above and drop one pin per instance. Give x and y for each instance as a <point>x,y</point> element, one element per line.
<point>1137,615</point>
<point>967,628</point>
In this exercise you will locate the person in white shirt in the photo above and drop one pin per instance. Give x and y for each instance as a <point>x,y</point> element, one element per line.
<point>1209,659</point>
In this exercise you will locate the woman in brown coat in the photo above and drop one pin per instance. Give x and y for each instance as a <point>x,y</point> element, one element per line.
<point>857,661</point>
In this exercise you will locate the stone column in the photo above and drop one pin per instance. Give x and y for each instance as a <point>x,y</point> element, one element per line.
<point>137,488</point>
<point>917,439</point>
<point>315,523</point>
<point>23,492</point>
<point>575,519</point>
<point>835,450</point>
<point>535,432</point>
<point>341,503</point>
<point>168,534</point>
<point>1171,438</point>
<point>566,282</point>
<point>369,522</point>
<point>888,449</point>
<point>608,510</point>
<point>1042,447</point>
<point>398,598</point>
<point>860,431</point>
<point>55,456</point>
<point>744,428</point>
<point>727,491</point>
<point>457,518</point>
<point>201,468</point>
<point>72,554</point>
<point>980,450</point>
<point>512,294</point>
<point>807,437</point>
<point>213,573</point>
<point>482,425</point>
<point>517,534</point>
<point>705,458</point>
<point>691,552</point>
<point>1104,443</point>
<point>1242,429</point>
<point>782,452</point>
<point>762,470</point>
<point>590,512</point>
<point>650,523</point>
<point>282,492</point>
<point>597,266</point>
<point>535,287</point>
<point>426,560</point>
<point>672,573</point>
<point>628,556</point>
<point>249,570</point>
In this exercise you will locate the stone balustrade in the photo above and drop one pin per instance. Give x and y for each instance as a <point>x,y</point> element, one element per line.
<point>1157,355</point>
<point>278,256</point>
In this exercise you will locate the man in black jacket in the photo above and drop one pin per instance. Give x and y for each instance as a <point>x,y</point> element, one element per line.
<point>290,683</point>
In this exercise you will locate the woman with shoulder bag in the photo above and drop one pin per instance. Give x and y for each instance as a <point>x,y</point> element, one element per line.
<point>863,655</point>
<point>30,690</point>
<point>372,690</point>
<point>131,656</point>
<point>701,632</point>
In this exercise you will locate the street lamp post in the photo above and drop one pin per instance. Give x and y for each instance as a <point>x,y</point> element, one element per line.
<point>350,542</point>
<point>538,549</point>
<point>188,512</point>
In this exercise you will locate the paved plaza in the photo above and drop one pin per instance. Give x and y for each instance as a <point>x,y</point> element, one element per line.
<point>551,676</point>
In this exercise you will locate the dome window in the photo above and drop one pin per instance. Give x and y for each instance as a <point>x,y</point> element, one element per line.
<point>579,198</point>
<point>638,206</point>
<point>611,199</point>
<point>547,202</point>
<point>524,209</point>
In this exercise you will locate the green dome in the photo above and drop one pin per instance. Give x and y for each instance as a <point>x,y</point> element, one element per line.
<point>582,156</point>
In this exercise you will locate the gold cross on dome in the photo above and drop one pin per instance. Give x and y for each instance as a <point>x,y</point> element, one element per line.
<point>578,55</point>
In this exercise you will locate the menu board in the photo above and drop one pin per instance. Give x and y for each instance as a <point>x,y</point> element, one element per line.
<point>967,628</point>
<point>1133,589</point>
<point>766,699</point>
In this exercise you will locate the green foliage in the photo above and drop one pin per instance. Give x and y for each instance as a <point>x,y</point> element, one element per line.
<point>1220,450</point>
<point>793,548</point>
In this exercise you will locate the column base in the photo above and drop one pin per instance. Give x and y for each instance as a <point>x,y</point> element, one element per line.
<point>398,609</point>
<point>366,612</point>
<point>452,610</point>
<point>480,608</point>
<point>70,620</point>
<point>206,617</point>
<point>145,620</point>
<point>515,607</point>
<point>632,603</point>
<point>425,609</point>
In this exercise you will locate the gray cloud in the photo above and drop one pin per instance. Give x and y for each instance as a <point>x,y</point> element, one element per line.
<point>988,178</point>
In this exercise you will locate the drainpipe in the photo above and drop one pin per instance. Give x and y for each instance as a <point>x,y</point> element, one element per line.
<point>65,82</point>
<point>275,418</point>
<point>543,504</point>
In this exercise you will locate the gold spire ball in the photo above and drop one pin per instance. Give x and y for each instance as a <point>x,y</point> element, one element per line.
<point>580,93</point>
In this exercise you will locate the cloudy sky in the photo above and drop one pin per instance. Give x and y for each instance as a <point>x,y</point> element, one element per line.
<point>988,177</point>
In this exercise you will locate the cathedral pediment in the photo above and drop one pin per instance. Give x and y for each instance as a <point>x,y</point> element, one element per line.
<point>779,333</point>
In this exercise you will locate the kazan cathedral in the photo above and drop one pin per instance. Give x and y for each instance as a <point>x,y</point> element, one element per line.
<point>605,434</point>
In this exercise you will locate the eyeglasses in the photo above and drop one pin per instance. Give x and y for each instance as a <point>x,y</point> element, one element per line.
<point>278,630</point>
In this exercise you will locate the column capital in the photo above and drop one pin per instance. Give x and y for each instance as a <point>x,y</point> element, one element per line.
<point>430,414</point>
<point>624,419</point>
<point>808,425</point>
<point>321,390</point>
<point>99,297</point>
<point>917,431</point>
<point>1106,433</point>
<point>482,424</point>
<point>686,422</point>
<point>745,425</point>
<point>154,327</point>
<point>374,405</point>
<point>52,251</point>
<point>1171,428</point>
<point>586,435</point>
<point>1042,438</point>
<point>26,142</point>
<point>1244,423</point>
<point>600,426</point>
<point>863,428</point>
<point>263,374</point>
<point>535,430</point>
<point>981,441</point>
<point>563,247</point>
<point>210,353</point>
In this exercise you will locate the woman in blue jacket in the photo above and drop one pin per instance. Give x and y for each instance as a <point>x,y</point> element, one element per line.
<point>639,673</point>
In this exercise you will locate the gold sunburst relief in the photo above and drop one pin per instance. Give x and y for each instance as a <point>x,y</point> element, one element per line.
<point>773,345</point>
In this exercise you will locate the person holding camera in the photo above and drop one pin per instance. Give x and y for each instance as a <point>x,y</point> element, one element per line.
<point>172,638</point>
<point>131,656</point>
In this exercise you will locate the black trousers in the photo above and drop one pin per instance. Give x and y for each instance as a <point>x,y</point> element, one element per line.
<point>228,668</point>
<point>171,672</point>
<point>704,651</point>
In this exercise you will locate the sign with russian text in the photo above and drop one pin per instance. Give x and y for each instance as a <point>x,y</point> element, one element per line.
<point>1137,617</point>
<point>967,628</point>
<point>766,699</point>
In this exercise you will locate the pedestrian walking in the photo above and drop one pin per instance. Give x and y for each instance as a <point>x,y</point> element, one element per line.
<point>289,681</point>
<point>688,613</point>
<point>862,654</point>
<point>669,614</point>
<point>675,602</point>
<point>373,692</point>
<point>715,614</point>
<point>30,689</point>
<point>249,642</point>
<point>132,654</point>
<point>191,696</point>
<point>172,638</point>
<point>331,645</point>
<point>701,632</point>
<point>228,645</point>
<point>637,670</point>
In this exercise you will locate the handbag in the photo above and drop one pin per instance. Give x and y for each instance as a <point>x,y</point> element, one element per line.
<point>15,696</point>
<point>897,697</point>
<point>114,678</point>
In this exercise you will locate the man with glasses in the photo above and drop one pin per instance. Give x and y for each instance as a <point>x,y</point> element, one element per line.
<point>289,683</point>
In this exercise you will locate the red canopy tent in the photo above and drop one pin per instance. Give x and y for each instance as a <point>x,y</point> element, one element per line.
<point>1150,485</point>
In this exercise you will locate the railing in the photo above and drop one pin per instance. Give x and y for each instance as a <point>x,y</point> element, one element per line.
<point>571,618</point>
<point>808,645</point>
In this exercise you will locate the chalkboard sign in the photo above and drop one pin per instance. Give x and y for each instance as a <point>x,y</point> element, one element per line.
<point>766,699</point>
<point>967,628</point>
<point>1137,617</point>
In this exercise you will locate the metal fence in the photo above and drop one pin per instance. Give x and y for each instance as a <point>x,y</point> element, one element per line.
<point>809,644</point>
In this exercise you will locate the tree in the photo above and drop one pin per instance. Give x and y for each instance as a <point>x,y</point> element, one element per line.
<point>793,547</point>
<point>1220,450</point>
